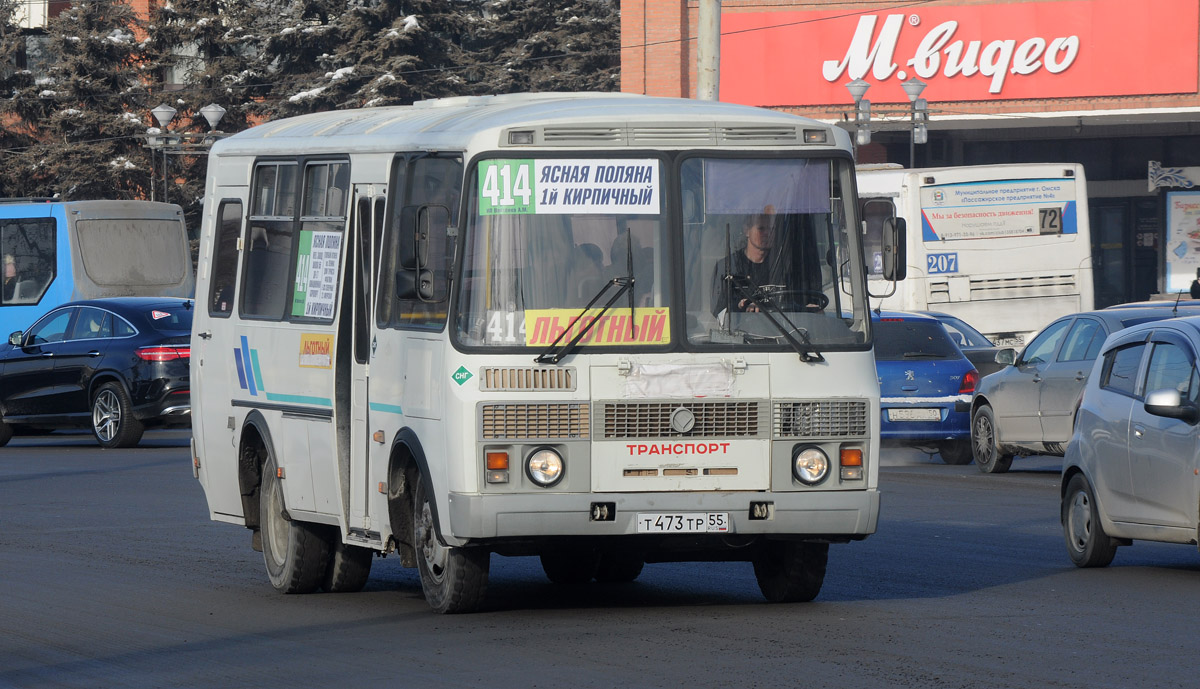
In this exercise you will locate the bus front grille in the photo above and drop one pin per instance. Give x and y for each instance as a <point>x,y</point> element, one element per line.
<point>821,419</point>
<point>526,378</point>
<point>534,421</point>
<point>725,419</point>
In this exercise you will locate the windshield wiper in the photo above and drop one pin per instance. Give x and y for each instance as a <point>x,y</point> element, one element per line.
<point>749,291</point>
<point>923,355</point>
<point>555,353</point>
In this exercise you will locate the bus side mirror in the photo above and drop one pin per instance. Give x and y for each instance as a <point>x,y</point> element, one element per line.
<point>421,221</point>
<point>414,285</point>
<point>895,253</point>
<point>14,338</point>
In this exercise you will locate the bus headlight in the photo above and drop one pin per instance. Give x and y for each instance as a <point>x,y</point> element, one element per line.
<point>810,465</point>
<point>545,467</point>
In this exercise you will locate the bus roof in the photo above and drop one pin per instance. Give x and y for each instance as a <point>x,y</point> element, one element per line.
<point>571,120</point>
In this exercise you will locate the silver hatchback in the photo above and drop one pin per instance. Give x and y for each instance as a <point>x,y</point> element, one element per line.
<point>1130,469</point>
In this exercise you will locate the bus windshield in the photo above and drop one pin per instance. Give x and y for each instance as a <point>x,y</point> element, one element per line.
<point>547,237</point>
<point>765,252</point>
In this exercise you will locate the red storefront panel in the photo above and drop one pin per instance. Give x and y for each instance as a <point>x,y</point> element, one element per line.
<point>1068,49</point>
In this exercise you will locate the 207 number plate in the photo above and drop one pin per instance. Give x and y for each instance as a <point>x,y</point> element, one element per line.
<point>683,522</point>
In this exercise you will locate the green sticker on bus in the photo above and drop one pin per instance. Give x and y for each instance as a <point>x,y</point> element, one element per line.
<point>506,187</point>
<point>462,375</point>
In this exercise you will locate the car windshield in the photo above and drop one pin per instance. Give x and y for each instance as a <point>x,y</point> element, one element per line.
<point>170,318</point>
<point>897,339</point>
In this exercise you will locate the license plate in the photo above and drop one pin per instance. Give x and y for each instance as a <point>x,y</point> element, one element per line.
<point>914,415</point>
<point>683,522</point>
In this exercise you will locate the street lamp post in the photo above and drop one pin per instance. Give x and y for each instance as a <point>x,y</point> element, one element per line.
<point>920,111</point>
<point>862,111</point>
<point>182,142</point>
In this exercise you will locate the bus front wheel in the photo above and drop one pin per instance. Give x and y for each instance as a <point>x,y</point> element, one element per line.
<point>453,579</point>
<point>296,554</point>
<point>791,572</point>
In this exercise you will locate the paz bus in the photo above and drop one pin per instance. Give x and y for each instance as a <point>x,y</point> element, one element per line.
<point>524,325</point>
<point>1006,248</point>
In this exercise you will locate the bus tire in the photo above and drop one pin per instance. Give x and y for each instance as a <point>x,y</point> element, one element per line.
<point>984,447</point>
<point>113,422</point>
<point>570,566</point>
<point>453,579</point>
<point>620,568</point>
<point>296,553</point>
<point>791,572</point>
<point>349,568</point>
<point>956,452</point>
<point>6,433</point>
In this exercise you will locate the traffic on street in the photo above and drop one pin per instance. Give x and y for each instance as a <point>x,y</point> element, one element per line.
<point>114,576</point>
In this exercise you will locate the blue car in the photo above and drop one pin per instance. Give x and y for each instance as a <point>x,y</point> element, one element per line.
<point>925,386</point>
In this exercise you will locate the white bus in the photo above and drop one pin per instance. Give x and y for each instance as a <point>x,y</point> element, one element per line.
<point>1004,247</point>
<point>501,325</point>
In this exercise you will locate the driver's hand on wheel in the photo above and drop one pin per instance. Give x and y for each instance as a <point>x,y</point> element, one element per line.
<point>747,306</point>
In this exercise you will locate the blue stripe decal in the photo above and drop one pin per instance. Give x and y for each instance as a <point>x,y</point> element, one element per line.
<point>237,359</point>
<point>389,408</point>
<point>249,371</point>
<point>299,399</point>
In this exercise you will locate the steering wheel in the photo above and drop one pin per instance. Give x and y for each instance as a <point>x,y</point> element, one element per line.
<point>799,299</point>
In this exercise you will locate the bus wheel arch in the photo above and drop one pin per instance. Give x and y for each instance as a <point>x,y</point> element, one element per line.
<point>252,455</point>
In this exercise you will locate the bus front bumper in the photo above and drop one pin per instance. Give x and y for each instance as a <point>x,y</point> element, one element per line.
<point>847,514</point>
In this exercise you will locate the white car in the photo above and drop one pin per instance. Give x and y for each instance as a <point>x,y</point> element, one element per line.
<point>1130,470</point>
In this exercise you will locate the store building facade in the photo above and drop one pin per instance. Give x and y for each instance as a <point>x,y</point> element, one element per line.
<point>1105,83</point>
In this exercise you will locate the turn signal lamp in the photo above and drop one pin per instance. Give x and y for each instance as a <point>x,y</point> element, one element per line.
<point>852,464</point>
<point>497,466</point>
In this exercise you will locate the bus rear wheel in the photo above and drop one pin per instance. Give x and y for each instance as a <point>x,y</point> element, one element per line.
<point>296,554</point>
<point>791,572</point>
<point>349,568</point>
<point>453,579</point>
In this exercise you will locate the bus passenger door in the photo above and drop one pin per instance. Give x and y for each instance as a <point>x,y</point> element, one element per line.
<point>360,442</point>
<point>214,360</point>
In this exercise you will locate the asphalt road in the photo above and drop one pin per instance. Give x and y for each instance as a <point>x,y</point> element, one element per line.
<point>113,576</point>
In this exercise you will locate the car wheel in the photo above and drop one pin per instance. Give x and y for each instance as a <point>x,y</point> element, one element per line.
<point>619,568</point>
<point>1087,544</point>
<point>453,579</point>
<point>6,433</point>
<point>113,422</point>
<point>349,568</point>
<point>956,452</point>
<point>296,553</point>
<point>790,572</point>
<point>983,443</point>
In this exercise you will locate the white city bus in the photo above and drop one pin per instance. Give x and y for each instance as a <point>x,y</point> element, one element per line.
<point>497,325</point>
<point>1006,248</point>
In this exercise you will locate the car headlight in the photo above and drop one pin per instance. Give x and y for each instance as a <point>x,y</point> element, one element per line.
<point>810,465</point>
<point>545,467</point>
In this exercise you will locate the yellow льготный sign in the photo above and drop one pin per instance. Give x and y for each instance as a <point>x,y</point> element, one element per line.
<point>316,351</point>
<point>650,326</point>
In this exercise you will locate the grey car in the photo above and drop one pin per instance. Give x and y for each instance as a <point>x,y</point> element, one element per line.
<point>1028,407</point>
<point>1130,468</point>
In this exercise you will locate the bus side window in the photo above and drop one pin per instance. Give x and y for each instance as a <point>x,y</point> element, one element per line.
<point>223,277</point>
<point>874,213</point>
<point>266,270</point>
<point>27,246</point>
<point>432,181</point>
